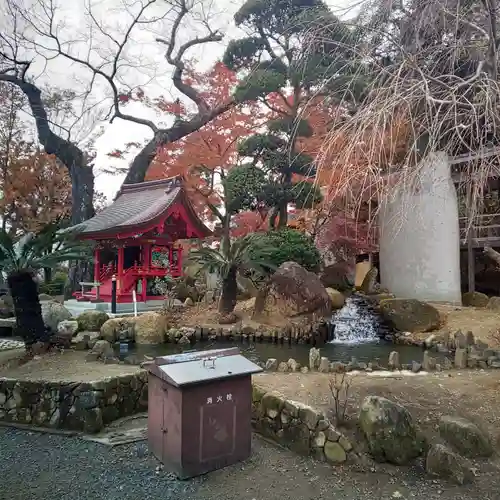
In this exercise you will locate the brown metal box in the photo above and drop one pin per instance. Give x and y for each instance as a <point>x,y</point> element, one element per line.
<point>199,410</point>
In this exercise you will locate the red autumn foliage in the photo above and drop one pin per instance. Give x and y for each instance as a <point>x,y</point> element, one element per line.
<point>203,156</point>
<point>35,189</point>
<point>248,222</point>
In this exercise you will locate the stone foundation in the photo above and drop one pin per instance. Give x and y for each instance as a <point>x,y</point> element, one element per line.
<point>86,406</point>
<point>299,427</point>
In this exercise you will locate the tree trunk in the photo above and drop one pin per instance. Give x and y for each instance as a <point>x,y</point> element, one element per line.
<point>492,254</point>
<point>47,275</point>
<point>82,192</point>
<point>283,215</point>
<point>27,308</point>
<point>140,164</point>
<point>229,294</point>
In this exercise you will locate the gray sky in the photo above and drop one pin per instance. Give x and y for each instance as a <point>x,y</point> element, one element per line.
<point>144,53</point>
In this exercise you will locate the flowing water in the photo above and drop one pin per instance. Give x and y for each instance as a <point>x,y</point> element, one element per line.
<point>358,330</point>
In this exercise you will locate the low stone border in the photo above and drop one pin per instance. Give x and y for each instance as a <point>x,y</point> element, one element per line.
<point>298,427</point>
<point>85,406</point>
<point>304,334</point>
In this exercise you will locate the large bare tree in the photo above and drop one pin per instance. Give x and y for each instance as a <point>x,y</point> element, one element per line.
<point>104,55</point>
<point>431,70</point>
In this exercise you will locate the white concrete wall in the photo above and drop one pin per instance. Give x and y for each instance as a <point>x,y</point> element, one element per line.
<point>419,236</point>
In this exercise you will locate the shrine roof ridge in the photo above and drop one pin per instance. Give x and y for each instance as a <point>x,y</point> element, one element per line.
<point>138,207</point>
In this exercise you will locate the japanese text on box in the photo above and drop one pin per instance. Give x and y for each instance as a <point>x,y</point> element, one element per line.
<point>219,399</point>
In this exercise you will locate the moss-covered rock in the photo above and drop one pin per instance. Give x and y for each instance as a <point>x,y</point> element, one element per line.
<point>443,463</point>
<point>272,404</point>
<point>334,453</point>
<point>494,303</point>
<point>410,315</point>
<point>390,431</point>
<point>118,329</point>
<point>465,436</point>
<point>475,299</point>
<point>91,321</point>
<point>53,313</point>
<point>150,328</point>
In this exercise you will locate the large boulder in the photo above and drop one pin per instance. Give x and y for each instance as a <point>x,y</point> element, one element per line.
<point>369,284</point>
<point>337,298</point>
<point>294,291</point>
<point>443,463</point>
<point>410,315</point>
<point>54,313</point>
<point>92,321</point>
<point>185,290</point>
<point>475,299</point>
<point>389,430</point>
<point>465,437</point>
<point>118,329</point>
<point>151,328</point>
<point>339,276</point>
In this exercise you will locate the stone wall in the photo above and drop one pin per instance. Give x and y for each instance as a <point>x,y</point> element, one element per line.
<point>299,427</point>
<point>85,406</point>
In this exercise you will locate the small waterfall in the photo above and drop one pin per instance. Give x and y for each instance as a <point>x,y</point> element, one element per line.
<point>357,322</point>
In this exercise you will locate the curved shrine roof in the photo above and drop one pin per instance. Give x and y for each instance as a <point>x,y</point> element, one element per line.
<point>139,206</point>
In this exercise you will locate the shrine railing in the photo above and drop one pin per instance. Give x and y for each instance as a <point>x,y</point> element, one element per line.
<point>106,271</point>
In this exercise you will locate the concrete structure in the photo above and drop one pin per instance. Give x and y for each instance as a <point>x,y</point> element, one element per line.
<point>420,237</point>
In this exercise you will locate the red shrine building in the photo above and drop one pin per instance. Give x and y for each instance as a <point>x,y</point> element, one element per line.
<point>137,240</point>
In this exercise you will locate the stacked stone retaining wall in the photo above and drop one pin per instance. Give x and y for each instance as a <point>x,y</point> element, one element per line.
<point>79,406</point>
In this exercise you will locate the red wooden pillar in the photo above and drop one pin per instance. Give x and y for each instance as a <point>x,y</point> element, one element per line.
<point>170,257</point>
<point>146,258</point>
<point>97,264</point>
<point>120,269</point>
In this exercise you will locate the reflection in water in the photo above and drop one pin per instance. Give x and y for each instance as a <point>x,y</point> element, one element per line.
<point>359,332</point>
<point>258,352</point>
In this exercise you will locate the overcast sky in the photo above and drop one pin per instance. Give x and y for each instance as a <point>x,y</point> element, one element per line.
<point>74,26</point>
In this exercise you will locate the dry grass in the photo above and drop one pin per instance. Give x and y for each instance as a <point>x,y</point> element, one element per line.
<point>483,323</point>
<point>471,394</point>
<point>207,315</point>
<point>66,366</point>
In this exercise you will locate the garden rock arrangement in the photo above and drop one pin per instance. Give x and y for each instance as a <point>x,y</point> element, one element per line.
<point>75,406</point>
<point>409,315</point>
<point>461,438</point>
<point>299,427</point>
<point>444,463</point>
<point>390,431</point>
<point>294,291</point>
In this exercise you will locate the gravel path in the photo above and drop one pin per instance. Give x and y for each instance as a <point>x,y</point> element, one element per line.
<point>38,466</point>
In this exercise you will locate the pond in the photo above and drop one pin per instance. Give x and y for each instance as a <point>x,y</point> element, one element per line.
<point>358,332</point>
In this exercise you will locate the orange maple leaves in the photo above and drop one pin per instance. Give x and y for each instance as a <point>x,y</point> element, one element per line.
<point>35,189</point>
<point>203,156</point>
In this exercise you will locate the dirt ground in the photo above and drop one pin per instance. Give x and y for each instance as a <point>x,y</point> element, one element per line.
<point>474,395</point>
<point>483,323</point>
<point>207,315</point>
<point>68,366</point>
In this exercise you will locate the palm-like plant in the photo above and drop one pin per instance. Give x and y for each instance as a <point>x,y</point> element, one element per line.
<point>20,260</point>
<point>246,255</point>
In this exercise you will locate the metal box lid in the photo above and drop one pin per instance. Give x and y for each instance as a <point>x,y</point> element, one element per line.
<point>193,355</point>
<point>206,369</point>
